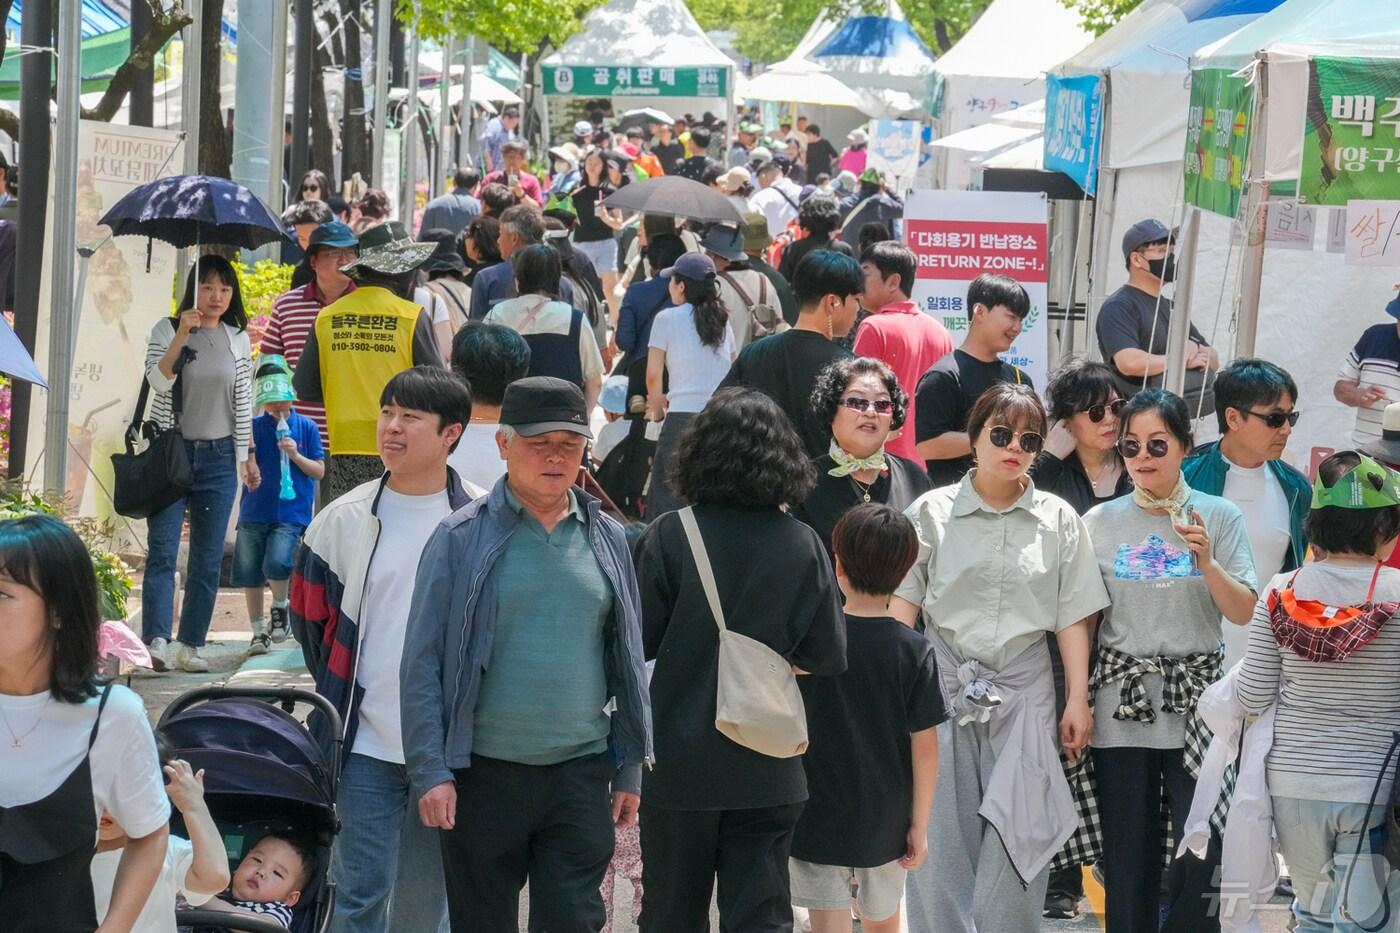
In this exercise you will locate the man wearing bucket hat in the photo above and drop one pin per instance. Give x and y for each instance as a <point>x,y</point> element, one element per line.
<point>743,291</point>
<point>358,344</point>
<point>869,203</point>
<point>276,503</point>
<point>331,246</point>
<point>744,140</point>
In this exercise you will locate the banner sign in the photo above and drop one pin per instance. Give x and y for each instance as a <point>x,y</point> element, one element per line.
<point>895,146</point>
<point>1217,139</point>
<point>635,81</point>
<point>958,235</point>
<point>1351,142</point>
<point>1073,122</point>
<point>1373,233</point>
<point>122,298</point>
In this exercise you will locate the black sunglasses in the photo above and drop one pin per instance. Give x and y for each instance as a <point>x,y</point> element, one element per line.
<point>1274,419</point>
<point>1130,447</point>
<point>1096,412</point>
<point>1001,436</point>
<point>882,406</point>
<point>310,187</point>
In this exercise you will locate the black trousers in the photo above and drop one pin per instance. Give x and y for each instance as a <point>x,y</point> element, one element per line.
<point>550,825</point>
<point>683,851</point>
<point>1131,781</point>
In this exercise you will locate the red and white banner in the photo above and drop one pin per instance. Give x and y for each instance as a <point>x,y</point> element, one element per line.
<point>959,235</point>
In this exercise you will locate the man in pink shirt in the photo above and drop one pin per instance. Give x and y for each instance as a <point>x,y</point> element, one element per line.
<point>898,333</point>
<point>514,175</point>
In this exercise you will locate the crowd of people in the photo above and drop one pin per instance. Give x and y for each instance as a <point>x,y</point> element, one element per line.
<point>700,556</point>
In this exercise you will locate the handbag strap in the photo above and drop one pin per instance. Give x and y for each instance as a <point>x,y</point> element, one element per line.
<point>748,302</point>
<point>702,564</point>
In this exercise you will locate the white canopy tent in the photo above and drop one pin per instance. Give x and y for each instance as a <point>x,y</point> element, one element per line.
<point>1000,63</point>
<point>640,53</point>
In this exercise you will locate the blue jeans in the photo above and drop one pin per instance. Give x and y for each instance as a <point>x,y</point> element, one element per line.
<point>210,503</point>
<point>263,551</point>
<point>1319,839</point>
<point>386,864</point>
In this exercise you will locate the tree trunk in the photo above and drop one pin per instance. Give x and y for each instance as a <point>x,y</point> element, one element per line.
<point>354,147</point>
<point>215,148</point>
<point>940,32</point>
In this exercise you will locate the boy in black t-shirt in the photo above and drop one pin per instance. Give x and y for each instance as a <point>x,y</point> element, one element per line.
<point>873,757</point>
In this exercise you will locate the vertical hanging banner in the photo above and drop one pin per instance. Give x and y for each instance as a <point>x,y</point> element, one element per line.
<point>1217,139</point>
<point>122,298</point>
<point>895,146</point>
<point>958,235</point>
<point>1073,119</point>
<point>1351,141</point>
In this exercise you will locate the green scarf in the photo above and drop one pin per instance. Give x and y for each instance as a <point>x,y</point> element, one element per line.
<point>846,464</point>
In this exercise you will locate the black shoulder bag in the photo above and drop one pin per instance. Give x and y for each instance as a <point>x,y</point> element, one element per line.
<point>148,481</point>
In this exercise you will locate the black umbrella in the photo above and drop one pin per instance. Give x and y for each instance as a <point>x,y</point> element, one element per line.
<point>643,118</point>
<point>195,210</point>
<point>674,196</point>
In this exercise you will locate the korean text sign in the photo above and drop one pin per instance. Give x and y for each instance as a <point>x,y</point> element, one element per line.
<point>959,235</point>
<point>1217,139</point>
<point>1372,236</point>
<point>635,81</point>
<point>1073,119</point>
<point>1351,141</point>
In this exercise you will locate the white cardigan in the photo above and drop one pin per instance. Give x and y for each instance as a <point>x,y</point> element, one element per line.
<point>240,399</point>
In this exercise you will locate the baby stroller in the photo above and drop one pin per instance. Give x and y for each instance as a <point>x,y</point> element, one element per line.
<point>263,772</point>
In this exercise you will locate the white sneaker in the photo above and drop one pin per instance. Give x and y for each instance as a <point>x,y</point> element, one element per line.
<point>160,649</point>
<point>187,659</point>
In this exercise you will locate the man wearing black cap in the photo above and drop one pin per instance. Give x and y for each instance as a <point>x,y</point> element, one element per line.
<point>1133,322</point>
<point>525,626</point>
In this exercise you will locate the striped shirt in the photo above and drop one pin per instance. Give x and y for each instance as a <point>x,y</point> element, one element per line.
<point>1374,361</point>
<point>293,315</point>
<point>240,394</point>
<point>276,910</point>
<point>1334,721</point>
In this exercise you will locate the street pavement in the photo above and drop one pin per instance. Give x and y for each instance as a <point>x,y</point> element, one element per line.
<point>230,664</point>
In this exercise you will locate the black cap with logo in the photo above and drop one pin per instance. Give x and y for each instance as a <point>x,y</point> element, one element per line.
<point>540,404</point>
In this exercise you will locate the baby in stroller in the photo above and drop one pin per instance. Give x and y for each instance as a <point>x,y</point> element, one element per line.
<point>269,880</point>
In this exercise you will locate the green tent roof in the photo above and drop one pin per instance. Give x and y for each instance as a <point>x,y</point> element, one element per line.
<point>102,56</point>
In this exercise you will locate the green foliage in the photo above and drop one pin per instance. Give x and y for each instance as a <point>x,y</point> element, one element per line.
<point>514,26</point>
<point>113,575</point>
<point>260,285</point>
<point>1098,15</point>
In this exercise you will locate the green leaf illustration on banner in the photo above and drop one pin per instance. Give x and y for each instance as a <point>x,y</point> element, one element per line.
<point>1217,139</point>
<point>1351,141</point>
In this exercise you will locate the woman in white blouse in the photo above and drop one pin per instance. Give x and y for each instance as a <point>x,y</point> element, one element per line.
<point>1001,566</point>
<point>70,747</point>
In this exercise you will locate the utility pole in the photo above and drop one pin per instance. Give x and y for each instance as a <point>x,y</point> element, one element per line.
<point>301,91</point>
<point>141,110</point>
<point>383,12</point>
<point>35,75</point>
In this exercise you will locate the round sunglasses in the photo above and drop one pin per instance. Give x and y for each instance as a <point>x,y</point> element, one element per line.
<point>1274,419</point>
<point>882,406</point>
<point>1001,436</point>
<point>1096,413</point>
<point>1130,447</point>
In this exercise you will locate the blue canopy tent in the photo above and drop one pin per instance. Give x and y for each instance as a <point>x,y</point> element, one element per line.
<point>880,57</point>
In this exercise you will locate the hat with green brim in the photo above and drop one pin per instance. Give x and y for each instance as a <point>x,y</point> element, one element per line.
<point>388,250</point>
<point>871,176</point>
<point>273,385</point>
<point>1368,485</point>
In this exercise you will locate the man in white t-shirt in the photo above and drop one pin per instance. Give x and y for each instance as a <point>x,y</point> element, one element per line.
<point>488,357</point>
<point>1255,406</point>
<point>776,198</point>
<point>351,588</point>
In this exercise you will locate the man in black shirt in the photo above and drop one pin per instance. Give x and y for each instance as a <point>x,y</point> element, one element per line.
<point>694,166</point>
<point>821,155</point>
<point>996,310</point>
<point>1133,322</point>
<point>668,150</point>
<point>785,366</point>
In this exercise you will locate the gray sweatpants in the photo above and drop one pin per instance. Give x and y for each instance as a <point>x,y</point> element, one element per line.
<point>967,884</point>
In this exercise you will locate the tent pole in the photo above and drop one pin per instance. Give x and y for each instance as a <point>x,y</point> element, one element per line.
<point>466,111</point>
<point>411,132</point>
<point>1100,254</point>
<point>383,10</point>
<point>1252,268</point>
<point>444,146</point>
<point>1179,327</point>
<point>63,322</point>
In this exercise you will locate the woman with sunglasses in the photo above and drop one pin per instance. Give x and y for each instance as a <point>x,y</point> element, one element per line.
<point>1175,560</point>
<point>861,400</point>
<point>315,186</point>
<point>1080,462</point>
<point>1001,564</point>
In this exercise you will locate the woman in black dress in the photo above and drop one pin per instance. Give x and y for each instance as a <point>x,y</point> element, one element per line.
<point>862,401</point>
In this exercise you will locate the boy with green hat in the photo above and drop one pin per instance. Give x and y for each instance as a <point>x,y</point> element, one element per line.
<point>286,460</point>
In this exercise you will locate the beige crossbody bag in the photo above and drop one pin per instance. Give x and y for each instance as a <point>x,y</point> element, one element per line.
<point>757,703</point>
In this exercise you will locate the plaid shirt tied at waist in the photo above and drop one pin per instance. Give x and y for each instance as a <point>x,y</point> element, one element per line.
<point>1184,680</point>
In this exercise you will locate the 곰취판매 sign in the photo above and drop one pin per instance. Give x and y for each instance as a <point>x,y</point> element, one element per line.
<point>1217,139</point>
<point>1351,141</point>
<point>636,81</point>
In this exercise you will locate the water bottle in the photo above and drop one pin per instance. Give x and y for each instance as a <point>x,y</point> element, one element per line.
<point>288,491</point>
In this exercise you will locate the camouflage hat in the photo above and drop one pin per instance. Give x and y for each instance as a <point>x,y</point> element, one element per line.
<point>388,250</point>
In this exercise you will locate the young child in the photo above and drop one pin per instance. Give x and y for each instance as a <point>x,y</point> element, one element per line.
<point>269,881</point>
<point>274,513</point>
<point>873,757</point>
<point>195,868</point>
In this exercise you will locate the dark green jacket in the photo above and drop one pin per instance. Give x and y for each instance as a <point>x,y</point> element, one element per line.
<point>1205,470</point>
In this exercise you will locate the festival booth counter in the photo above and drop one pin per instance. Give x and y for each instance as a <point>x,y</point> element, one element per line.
<point>638,53</point>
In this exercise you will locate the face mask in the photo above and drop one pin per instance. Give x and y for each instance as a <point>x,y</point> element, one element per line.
<point>1164,269</point>
<point>560,166</point>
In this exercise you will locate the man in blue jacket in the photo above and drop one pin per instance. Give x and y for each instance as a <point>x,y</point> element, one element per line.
<point>525,627</point>
<point>1255,406</point>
